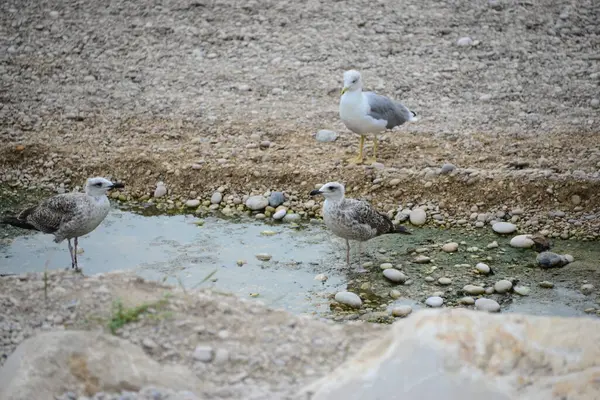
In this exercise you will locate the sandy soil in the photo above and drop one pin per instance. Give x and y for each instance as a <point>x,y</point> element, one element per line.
<point>202,94</point>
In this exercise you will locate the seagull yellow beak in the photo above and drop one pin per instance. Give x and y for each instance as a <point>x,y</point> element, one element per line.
<point>344,90</point>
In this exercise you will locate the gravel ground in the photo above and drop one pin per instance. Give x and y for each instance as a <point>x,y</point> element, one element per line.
<point>240,349</point>
<point>201,94</point>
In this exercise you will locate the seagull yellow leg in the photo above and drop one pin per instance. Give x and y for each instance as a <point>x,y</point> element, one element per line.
<point>374,158</point>
<point>359,158</point>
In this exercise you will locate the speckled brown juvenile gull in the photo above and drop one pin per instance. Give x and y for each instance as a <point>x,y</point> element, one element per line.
<point>70,215</point>
<point>369,113</point>
<point>353,219</point>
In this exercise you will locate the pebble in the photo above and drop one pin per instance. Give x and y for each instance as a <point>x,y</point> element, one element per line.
<point>468,301</point>
<point>149,343</point>
<point>483,268</point>
<point>264,256</point>
<point>503,286</point>
<point>548,259</point>
<point>576,199</point>
<point>325,135</point>
<point>488,305</point>
<point>421,259</point>
<point>160,190</point>
<point>450,247</point>
<point>292,217</point>
<point>595,103</point>
<point>522,241</point>
<point>418,216</point>
<point>445,281</point>
<point>473,290</point>
<point>447,168</point>
<point>386,266</point>
<point>256,203</point>
<point>193,203</point>
<point>522,290</point>
<point>394,275</point>
<point>221,356</point>
<point>395,294</point>
<point>546,284</point>
<point>587,289</point>
<point>349,299</point>
<point>203,353</point>
<point>504,227</point>
<point>321,277</point>
<point>216,197</point>
<point>464,41</point>
<point>401,311</point>
<point>434,301</point>
<point>276,199</point>
<point>492,245</point>
<point>280,214</point>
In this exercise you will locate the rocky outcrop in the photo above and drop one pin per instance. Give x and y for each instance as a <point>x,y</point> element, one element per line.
<point>52,363</point>
<point>459,354</point>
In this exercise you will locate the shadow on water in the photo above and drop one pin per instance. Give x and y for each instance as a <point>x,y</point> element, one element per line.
<point>184,250</point>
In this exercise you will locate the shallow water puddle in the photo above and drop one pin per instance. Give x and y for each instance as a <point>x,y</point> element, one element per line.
<point>177,250</point>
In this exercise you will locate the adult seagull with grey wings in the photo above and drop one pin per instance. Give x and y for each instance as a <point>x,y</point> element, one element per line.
<point>369,113</point>
<point>353,219</point>
<point>70,215</point>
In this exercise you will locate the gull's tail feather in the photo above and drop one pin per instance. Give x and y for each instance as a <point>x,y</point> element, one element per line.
<point>19,223</point>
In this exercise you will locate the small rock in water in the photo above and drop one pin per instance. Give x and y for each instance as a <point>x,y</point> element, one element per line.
<point>394,275</point>
<point>434,301</point>
<point>292,217</point>
<point>522,290</point>
<point>447,168</point>
<point>321,277</point>
<point>473,290</point>
<point>256,203</point>
<point>264,256</point>
<point>395,294</point>
<point>488,305</point>
<point>504,227</point>
<point>503,286</point>
<point>450,247</point>
<point>276,199</point>
<point>445,281</point>
<point>418,216</point>
<point>386,266</point>
<point>280,214</point>
<point>548,259</point>
<point>216,197</point>
<point>160,190</point>
<point>468,301</point>
<point>203,353</point>
<point>325,135</point>
<point>492,245</point>
<point>522,241</point>
<point>546,284</point>
<point>483,268</point>
<point>401,311</point>
<point>587,289</point>
<point>193,203</point>
<point>349,299</point>
<point>421,259</point>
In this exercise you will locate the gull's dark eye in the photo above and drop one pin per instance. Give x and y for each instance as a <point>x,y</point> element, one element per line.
<point>99,184</point>
<point>355,80</point>
<point>332,188</point>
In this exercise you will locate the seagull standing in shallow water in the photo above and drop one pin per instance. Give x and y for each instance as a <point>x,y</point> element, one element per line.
<point>70,215</point>
<point>353,219</point>
<point>369,113</point>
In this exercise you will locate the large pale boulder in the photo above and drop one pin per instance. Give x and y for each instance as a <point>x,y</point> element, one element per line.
<point>52,363</point>
<point>455,354</point>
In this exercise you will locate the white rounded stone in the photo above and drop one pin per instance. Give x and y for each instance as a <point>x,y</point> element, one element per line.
<point>504,227</point>
<point>418,216</point>
<point>434,301</point>
<point>488,305</point>
<point>522,241</point>
<point>349,299</point>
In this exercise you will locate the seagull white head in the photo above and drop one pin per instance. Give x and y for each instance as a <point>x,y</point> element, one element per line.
<point>331,191</point>
<point>352,81</point>
<point>99,186</point>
